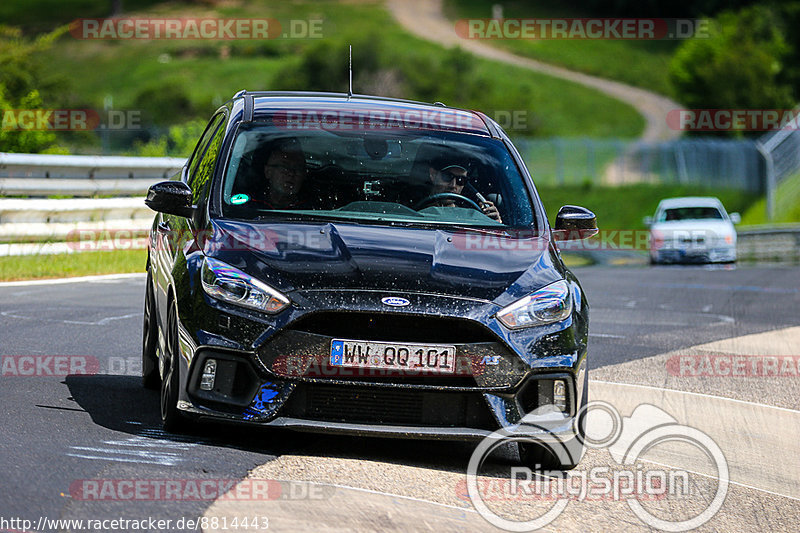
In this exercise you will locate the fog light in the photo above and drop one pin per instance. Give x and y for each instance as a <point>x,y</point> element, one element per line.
<point>209,374</point>
<point>560,395</point>
<point>553,396</point>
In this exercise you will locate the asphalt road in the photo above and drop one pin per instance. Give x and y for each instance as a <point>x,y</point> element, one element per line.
<point>59,430</point>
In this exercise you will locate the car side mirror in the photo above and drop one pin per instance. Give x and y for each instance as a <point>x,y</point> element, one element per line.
<point>171,197</point>
<point>574,223</point>
<point>648,221</point>
<point>735,218</point>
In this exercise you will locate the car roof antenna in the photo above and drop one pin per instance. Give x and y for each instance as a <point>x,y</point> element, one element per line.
<point>350,88</point>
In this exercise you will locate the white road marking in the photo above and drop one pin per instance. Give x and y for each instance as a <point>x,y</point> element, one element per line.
<point>694,394</point>
<point>161,452</point>
<point>746,432</point>
<point>143,442</point>
<point>81,279</point>
<point>101,322</point>
<point>673,467</point>
<point>121,459</point>
<point>372,491</point>
<point>127,456</point>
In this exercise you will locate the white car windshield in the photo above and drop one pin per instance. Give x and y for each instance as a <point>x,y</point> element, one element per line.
<point>417,176</point>
<point>690,213</point>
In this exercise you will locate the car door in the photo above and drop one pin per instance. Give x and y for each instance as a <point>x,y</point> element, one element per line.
<point>171,230</point>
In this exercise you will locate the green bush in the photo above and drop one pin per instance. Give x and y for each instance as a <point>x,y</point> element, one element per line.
<point>178,142</point>
<point>738,67</point>
<point>165,103</point>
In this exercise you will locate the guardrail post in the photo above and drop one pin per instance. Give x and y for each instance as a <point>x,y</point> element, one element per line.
<point>770,181</point>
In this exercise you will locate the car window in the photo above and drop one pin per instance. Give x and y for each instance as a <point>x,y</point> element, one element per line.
<point>373,177</point>
<point>205,166</point>
<point>690,213</point>
<point>202,144</point>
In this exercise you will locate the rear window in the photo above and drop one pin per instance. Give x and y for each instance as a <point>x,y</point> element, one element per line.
<point>383,176</point>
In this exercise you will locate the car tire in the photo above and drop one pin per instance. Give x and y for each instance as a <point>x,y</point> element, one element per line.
<point>540,456</point>
<point>150,377</point>
<point>171,419</point>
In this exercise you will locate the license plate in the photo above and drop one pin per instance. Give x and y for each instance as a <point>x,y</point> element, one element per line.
<point>395,356</point>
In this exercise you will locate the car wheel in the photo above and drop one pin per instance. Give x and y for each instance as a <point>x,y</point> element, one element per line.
<point>150,377</point>
<point>551,456</point>
<point>171,418</point>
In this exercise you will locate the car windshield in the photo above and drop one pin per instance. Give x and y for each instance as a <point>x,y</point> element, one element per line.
<point>407,176</point>
<point>690,213</point>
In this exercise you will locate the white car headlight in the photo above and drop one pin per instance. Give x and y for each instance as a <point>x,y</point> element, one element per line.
<point>549,304</point>
<point>222,281</point>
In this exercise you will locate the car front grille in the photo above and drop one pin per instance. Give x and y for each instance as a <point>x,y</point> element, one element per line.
<point>393,327</point>
<point>389,406</point>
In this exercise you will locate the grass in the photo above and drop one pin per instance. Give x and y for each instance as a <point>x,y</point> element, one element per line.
<point>25,267</point>
<point>787,205</point>
<point>44,15</point>
<point>575,160</point>
<point>640,63</point>
<point>622,208</point>
<point>210,72</point>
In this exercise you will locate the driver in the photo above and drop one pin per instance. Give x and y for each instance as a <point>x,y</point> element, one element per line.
<point>451,179</point>
<point>284,175</point>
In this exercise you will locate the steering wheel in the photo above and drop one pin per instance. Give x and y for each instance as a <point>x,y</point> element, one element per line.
<point>446,196</point>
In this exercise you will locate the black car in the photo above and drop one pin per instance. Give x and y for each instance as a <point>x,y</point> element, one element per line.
<point>362,265</point>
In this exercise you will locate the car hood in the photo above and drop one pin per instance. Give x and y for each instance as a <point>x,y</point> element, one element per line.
<point>488,265</point>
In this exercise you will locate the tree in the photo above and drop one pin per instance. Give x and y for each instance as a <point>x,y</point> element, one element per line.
<point>20,88</point>
<point>740,66</point>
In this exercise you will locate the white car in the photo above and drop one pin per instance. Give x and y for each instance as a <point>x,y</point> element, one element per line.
<point>692,229</point>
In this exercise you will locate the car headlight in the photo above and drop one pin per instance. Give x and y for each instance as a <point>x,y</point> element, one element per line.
<point>549,304</point>
<point>222,281</point>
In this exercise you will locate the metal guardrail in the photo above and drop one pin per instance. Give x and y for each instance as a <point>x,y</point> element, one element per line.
<point>771,244</point>
<point>75,187</point>
<point>87,166</point>
<point>43,219</point>
<point>82,175</point>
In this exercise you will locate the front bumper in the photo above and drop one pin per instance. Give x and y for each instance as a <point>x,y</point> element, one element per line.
<point>244,393</point>
<point>720,254</point>
<point>282,379</point>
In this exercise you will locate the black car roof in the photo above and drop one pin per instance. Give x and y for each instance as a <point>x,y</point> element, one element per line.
<point>303,105</point>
